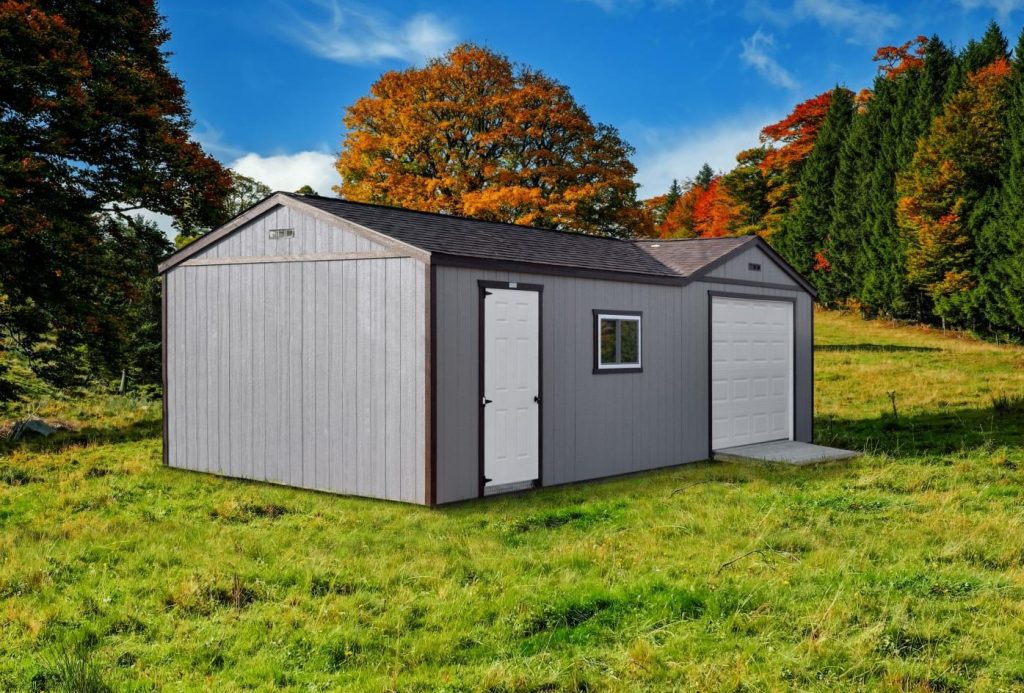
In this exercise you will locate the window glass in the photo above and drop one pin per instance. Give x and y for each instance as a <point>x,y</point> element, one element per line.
<point>629,344</point>
<point>619,341</point>
<point>608,330</point>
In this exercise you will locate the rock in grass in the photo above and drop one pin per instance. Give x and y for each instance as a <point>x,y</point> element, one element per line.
<point>31,427</point>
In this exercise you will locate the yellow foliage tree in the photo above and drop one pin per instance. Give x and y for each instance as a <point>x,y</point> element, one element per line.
<point>472,134</point>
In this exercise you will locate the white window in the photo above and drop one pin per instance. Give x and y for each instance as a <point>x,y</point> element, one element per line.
<point>618,341</point>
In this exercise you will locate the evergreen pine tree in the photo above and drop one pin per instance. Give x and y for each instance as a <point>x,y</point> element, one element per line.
<point>675,191</point>
<point>843,244</point>
<point>880,261</point>
<point>905,104</point>
<point>704,176</point>
<point>801,237</point>
<point>976,55</point>
<point>1000,242</point>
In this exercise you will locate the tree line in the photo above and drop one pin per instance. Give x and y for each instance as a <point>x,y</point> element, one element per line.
<point>904,200</point>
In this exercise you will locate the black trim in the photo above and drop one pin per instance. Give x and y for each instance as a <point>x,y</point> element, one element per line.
<point>554,270</point>
<point>163,365</point>
<point>793,389</point>
<point>596,336</point>
<point>483,285</point>
<point>757,242</point>
<point>745,282</point>
<point>786,267</point>
<point>812,371</point>
<point>430,474</point>
<point>753,297</point>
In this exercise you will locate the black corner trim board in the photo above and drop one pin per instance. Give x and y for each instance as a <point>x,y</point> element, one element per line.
<point>483,285</point>
<point>430,478</point>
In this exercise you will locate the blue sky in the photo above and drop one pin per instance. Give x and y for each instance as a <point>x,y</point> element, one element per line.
<point>685,81</point>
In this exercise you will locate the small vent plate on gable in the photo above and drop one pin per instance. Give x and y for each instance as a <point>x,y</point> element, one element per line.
<point>278,234</point>
<point>754,266</point>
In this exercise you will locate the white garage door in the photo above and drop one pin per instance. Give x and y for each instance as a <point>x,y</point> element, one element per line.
<point>751,371</point>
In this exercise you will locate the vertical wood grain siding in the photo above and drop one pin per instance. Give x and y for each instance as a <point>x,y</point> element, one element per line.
<point>312,235</point>
<point>309,374</point>
<point>606,424</point>
<point>738,268</point>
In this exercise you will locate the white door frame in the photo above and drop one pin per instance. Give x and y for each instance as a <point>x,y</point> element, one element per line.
<point>484,285</point>
<point>712,295</point>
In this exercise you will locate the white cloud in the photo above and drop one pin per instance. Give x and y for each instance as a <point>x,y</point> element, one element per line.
<point>212,141</point>
<point>285,172</point>
<point>757,53</point>
<point>290,171</point>
<point>662,156</point>
<point>860,22</point>
<point>614,5</point>
<point>1003,8</point>
<point>353,34</point>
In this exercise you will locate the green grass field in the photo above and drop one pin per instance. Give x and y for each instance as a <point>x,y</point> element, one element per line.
<point>903,570</point>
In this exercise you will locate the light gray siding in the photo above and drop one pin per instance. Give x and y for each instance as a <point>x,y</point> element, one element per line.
<point>596,425</point>
<point>312,235</point>
<point>310,374</point>
<point>737,268</point>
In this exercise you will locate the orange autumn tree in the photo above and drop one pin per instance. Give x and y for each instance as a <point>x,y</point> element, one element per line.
<point>790,142</point>
<point>953,167</point>
<point>715,213</point>
<point>679,220</point>
<point>472,134</point>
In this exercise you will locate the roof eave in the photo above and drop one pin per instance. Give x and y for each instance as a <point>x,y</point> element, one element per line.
<point>758,242</point>
<point>470,261</point>
<point>279,198</point>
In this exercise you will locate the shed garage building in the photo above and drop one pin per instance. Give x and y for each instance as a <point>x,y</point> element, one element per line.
<point>425,358</point>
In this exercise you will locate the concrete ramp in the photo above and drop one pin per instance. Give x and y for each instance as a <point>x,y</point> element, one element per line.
<point>784,452</point>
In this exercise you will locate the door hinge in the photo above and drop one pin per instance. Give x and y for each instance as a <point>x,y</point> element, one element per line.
<point>484,401</point>
<point>536,398</point>
<point>487,293</point>
<point>487,481</point>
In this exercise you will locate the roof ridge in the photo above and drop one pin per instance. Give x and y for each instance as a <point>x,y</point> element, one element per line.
<point>698,238</point>
<point>300,196</point>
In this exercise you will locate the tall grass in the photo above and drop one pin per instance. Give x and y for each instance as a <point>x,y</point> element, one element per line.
<point>903,570</point>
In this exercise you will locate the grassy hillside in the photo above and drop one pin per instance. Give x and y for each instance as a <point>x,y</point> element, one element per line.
<point>903,570</point>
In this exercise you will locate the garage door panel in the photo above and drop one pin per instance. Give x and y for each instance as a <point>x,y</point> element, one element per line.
<point>751,370</point>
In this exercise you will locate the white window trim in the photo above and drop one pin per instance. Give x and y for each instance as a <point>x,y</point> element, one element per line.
<point>638,364</point>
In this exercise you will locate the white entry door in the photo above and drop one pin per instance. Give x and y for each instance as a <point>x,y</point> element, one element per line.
<point>511,345</point>
<point>751,371</point>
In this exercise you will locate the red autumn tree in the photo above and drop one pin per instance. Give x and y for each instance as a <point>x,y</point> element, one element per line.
<point>790,142</point>
<point>895,60</point>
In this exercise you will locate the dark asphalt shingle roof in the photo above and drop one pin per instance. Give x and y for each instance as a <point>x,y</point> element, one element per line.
<point>687,256</point>
<point>472,238</point>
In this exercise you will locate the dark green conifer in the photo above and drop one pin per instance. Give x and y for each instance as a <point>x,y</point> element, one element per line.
<point>803,232</point>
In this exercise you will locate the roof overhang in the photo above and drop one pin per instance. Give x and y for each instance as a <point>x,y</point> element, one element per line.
<point>281,200</point>
<point>761,244</point>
